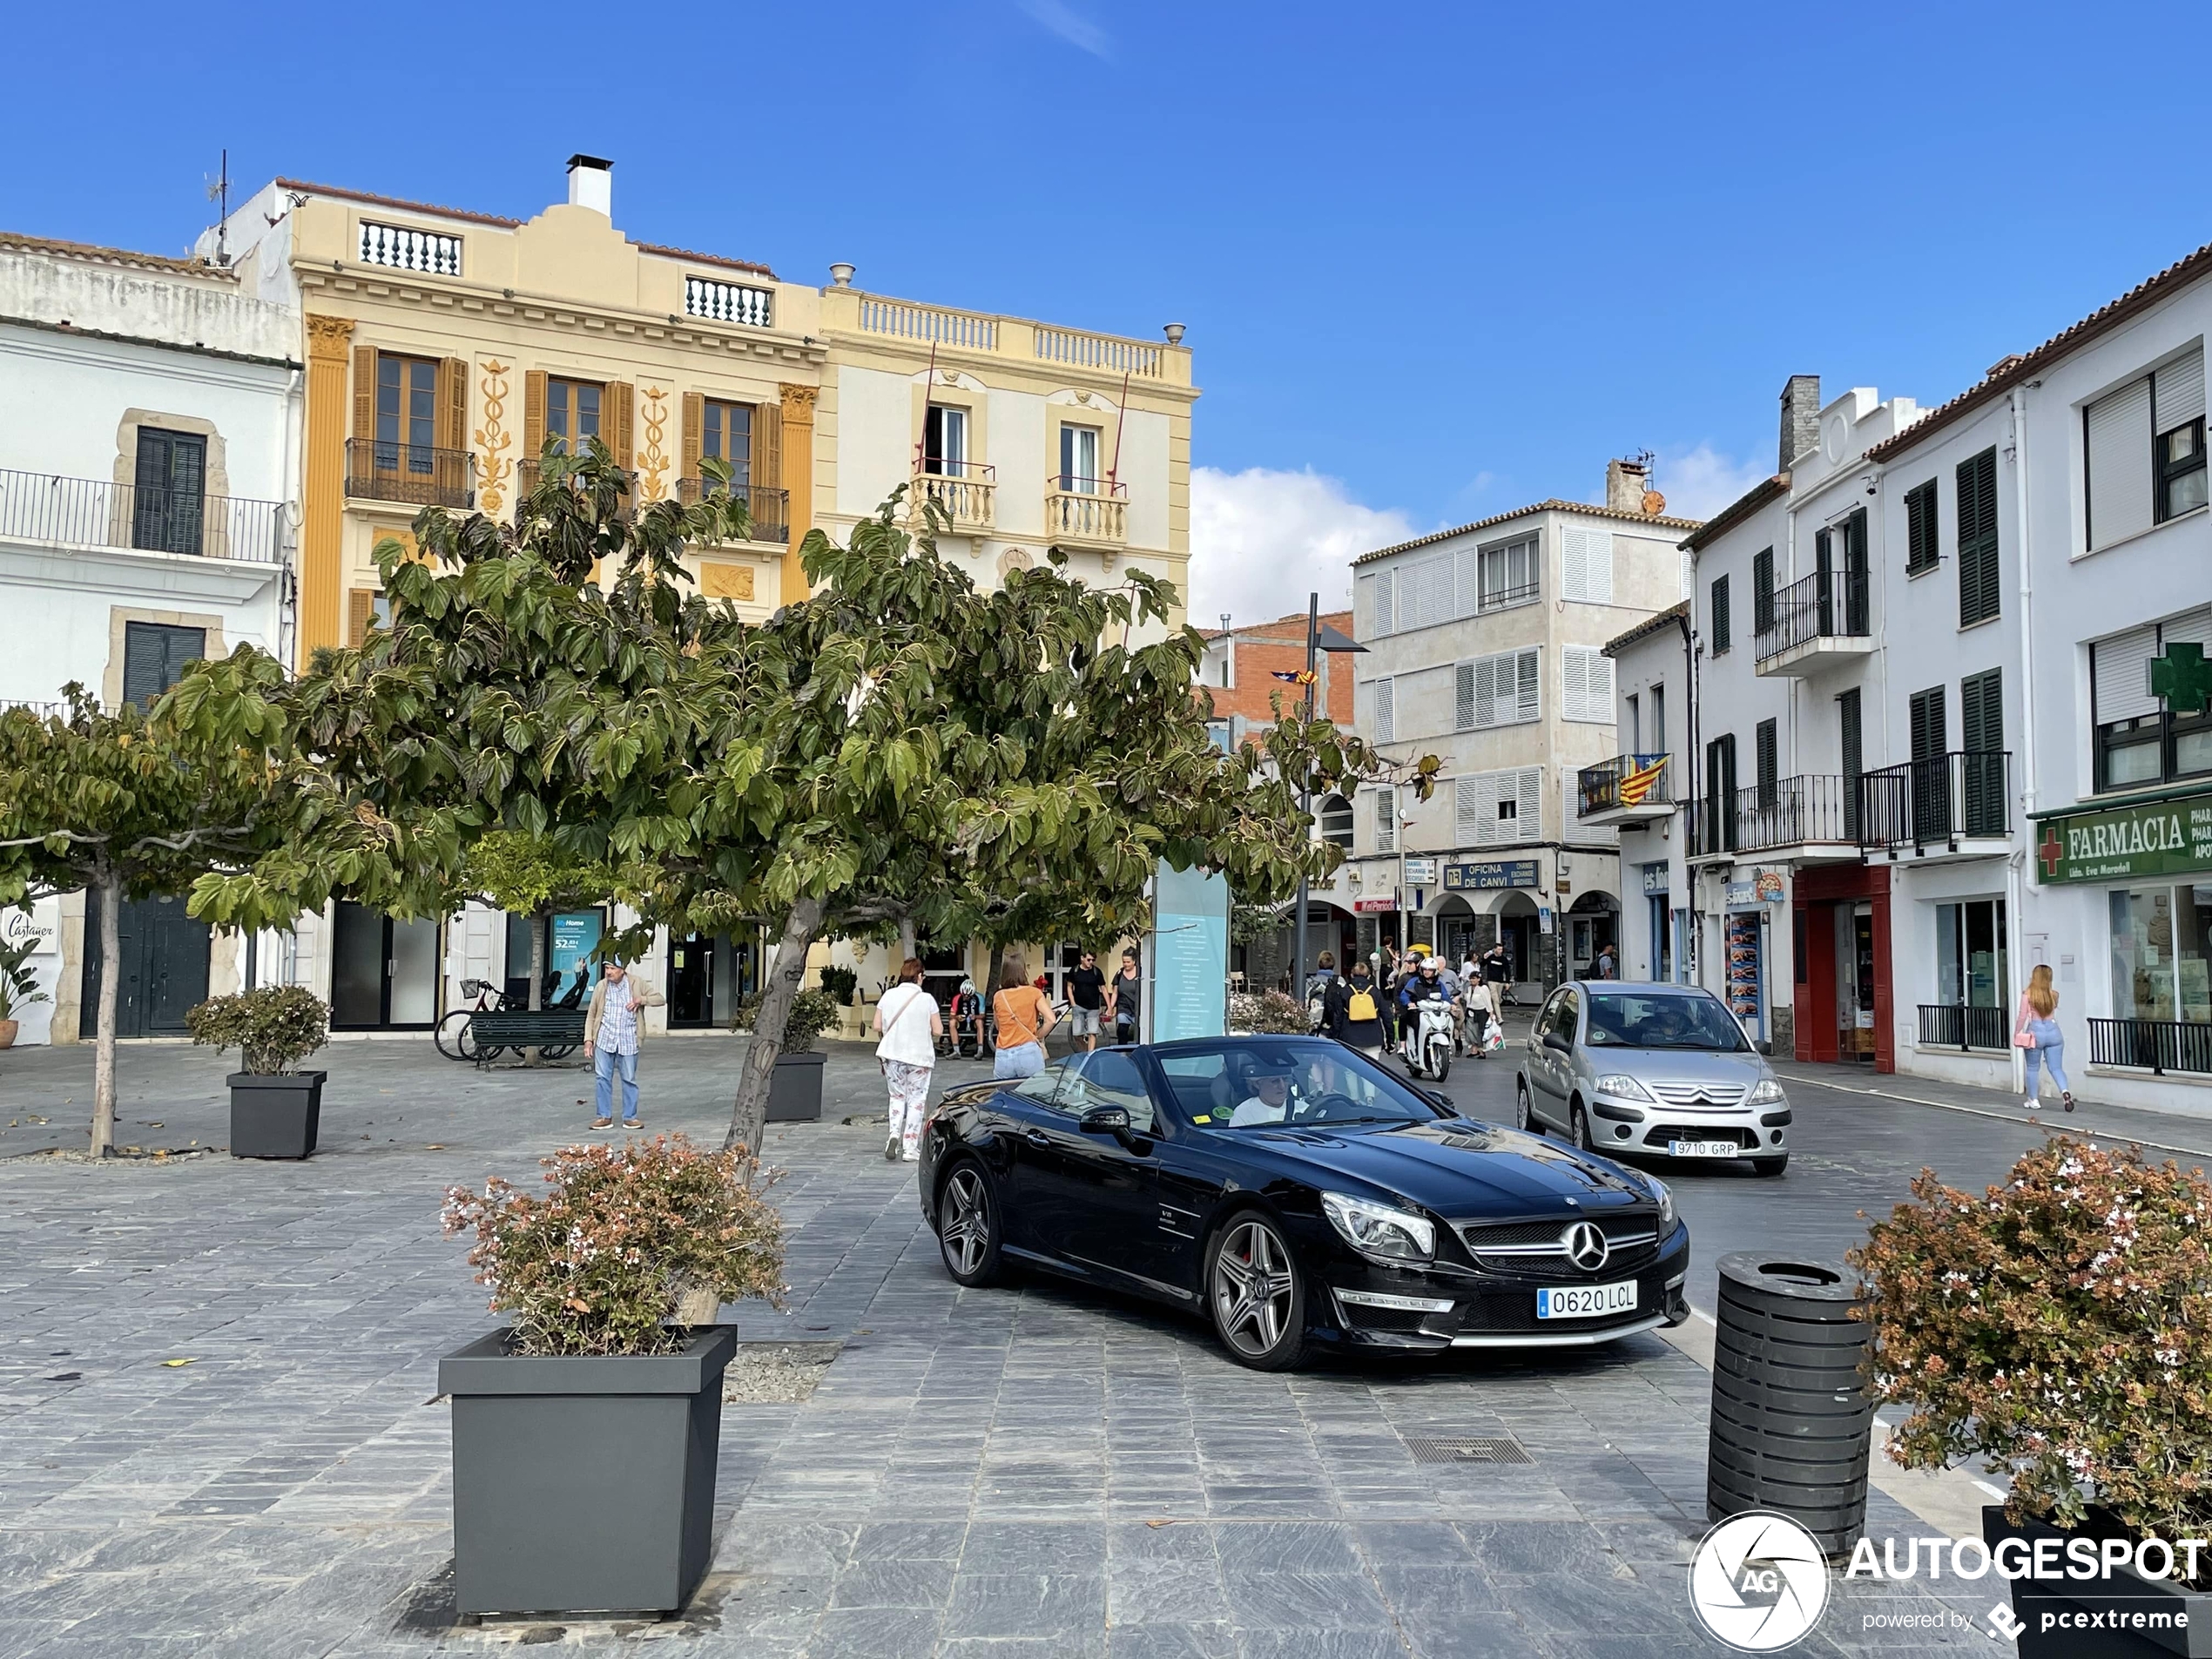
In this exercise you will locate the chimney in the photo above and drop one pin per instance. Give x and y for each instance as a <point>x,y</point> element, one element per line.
<point>1800,418</point>
<point>591,183</point>
<point>1626,484</point>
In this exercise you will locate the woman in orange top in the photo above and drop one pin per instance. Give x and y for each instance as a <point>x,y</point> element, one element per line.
<point>1024,1021</point>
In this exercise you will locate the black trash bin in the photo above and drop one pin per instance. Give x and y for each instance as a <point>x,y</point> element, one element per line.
<point>1792,1418</point>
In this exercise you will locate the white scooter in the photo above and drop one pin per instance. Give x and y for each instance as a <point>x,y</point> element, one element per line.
<point>1428,1044</point>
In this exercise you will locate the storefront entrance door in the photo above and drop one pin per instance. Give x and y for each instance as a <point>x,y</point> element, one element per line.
<point>383,971</point>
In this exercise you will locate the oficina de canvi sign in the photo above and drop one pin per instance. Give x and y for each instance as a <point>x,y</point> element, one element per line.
<point>2163,838</point>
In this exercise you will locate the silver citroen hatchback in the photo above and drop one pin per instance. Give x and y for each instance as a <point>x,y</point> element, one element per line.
<point>1652,1071</point>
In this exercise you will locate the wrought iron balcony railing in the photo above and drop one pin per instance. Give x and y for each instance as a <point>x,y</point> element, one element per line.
<point>1955,1025</point>
<point>1625,782</point>
<point>2156,1045</point>
<point>413,473</point>
<point>1828,604</point>
<point>770,508</point>
<point>1804,811</point>
<point>39,506</point>
<point>1941,799</point>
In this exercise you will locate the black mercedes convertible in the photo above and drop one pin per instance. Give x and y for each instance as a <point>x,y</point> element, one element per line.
<point>1300,1195</point>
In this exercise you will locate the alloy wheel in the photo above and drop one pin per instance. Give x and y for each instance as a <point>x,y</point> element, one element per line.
<point>1524,1112</point>
<point>1253,1290</point>
<point>965,1233</point>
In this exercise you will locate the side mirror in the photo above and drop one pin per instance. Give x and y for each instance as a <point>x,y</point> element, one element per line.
<point>1443,1100</point>
<point>1553,1039</point>
<point>1104,1120</point>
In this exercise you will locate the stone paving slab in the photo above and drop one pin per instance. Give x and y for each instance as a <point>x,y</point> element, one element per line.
<point>1034,1469</point>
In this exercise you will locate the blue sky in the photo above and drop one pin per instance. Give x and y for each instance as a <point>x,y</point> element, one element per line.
<point>1445,259</point>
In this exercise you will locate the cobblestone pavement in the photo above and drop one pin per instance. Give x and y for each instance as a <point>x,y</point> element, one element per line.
<point>1035,1470</point>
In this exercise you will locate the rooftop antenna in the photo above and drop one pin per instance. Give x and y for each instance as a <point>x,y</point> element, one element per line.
<point>220,193</point>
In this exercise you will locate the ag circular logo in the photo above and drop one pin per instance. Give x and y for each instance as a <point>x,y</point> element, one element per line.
<point>1758,1581</point>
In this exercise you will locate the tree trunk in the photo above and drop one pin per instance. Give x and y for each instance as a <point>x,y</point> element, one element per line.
<point>750,1109</point>
<point>111,892</point>
<point>538,975</point>
<point>905,945</point>
<point>990,990</point>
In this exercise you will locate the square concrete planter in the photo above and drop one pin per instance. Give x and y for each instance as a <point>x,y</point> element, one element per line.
<point>275,1117</point>
<point>583,1484</point>
<point>2059,1614</point>
<point>795,1092</point>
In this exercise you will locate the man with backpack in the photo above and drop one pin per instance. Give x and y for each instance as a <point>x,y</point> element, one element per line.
<point>1318,984</point>
<point>1354,1012</point>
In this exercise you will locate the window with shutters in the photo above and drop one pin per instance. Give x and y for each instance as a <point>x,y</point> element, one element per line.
<point>2139,739</point>
<point>944,440</point>
<point>2177,416</point>
<point>725,434</point>
<point>1586,566</point>
<point>1767,745</point>
<point>573,412</point>
<point>1929,777</point>
<point>1849,745</point>
<point>1385,695</point>
<point>1981,736</point>
<point>1921,551</point>
<point>1384,613</point>
<point>155,655</point>
<point>1718,645</point>
<point>1658,720</point>
<point>1509,575</point>
<point>1762,591</point>
<point>169,491</point>
<point>1499,808</point>
<point>1979,595</point>
<point>1503,689</point>
<point>1719,830</point>
<point>1386,800</point>
<point>1587,685</point>
<point>1425,593</point>
<point>407,412</point>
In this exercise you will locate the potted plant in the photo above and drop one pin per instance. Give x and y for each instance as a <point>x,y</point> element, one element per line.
<point>276,1109</point>
<point>18,985</point>
<point>2056,1328</point>
<point>795,1094</point>
<point>585,1431</point>
<point>1272,1012</point>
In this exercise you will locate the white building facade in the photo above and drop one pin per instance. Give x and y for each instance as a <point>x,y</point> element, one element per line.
<point>148,440</point>
<point>1485,649</point>
<point>1951,722</point>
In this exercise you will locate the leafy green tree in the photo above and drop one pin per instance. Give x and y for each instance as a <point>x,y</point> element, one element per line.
<point>130,804</point>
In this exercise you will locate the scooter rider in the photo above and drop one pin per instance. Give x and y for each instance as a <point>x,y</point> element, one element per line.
<point>1426,986</point>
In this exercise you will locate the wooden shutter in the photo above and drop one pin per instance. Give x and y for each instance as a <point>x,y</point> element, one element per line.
<point>533,415</point>
<point>693,435</point>
<point>1848,733</point>
<point>365,392</point>
<point>1929,721</point>
<point>1386,819</point>
<point>1979,595</point>
<point>1574,566</point>
<point>1719,647</point>
<point>1528,805</point>
<point>1574,683</point>
<point>453,404</point>
<point>1386,710</point>
<point>2118,437</point>
<point>1921,551</point>
<point>1467,582</point>
<point>1981,713</point>
<point>617,423</point>
<point>1768,757</point>
<point>768,446</point>
<point>154,657</point>
<point>1464,699</point>
<point>360,610</point>
<point>1762,591</point>
<point>1531,699</point>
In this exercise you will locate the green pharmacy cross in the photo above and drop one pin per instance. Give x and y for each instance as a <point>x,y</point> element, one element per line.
<point>2182,677</point>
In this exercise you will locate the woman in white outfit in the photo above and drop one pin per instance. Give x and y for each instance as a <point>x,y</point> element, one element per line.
<point>909,1025</point>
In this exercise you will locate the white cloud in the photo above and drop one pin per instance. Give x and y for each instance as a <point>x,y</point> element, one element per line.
<point>1261,540</point>
<point>1698,483</point>
<point>1059,18</point>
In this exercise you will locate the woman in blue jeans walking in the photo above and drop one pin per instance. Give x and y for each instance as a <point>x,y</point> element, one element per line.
<point>2036,1034</point>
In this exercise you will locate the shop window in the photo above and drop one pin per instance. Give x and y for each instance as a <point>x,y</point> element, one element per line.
<point>2162,953</point>
<point>1970,955</point>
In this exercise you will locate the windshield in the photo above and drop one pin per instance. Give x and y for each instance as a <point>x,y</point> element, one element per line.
<point>1624,1020</point>
<point>1263,1083</point>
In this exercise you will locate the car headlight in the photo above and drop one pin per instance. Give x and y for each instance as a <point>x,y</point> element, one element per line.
<point>1767,1093</point>
<point>1619,1082</point>
<point>1378,1230</point>
<point>1666,1203</point>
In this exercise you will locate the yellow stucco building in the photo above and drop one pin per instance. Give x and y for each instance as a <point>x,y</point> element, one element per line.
<point>444,346</point>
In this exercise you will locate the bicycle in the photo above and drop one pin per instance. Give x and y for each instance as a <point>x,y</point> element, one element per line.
<point>455,1038</point>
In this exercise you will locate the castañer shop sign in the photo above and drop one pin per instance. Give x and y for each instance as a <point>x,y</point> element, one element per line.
<point>2164,838</point>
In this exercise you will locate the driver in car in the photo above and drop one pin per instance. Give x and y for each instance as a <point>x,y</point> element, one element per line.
<point>1269,1101</point>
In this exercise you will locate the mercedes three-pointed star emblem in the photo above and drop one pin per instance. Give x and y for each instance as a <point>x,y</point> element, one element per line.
<point>1586,1246</point>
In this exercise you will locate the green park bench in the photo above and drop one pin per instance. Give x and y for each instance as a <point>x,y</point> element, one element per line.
<point>554,1033</point>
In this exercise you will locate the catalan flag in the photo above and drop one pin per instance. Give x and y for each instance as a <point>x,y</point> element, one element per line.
<point>1299,676</point>
<point>1637,784</point>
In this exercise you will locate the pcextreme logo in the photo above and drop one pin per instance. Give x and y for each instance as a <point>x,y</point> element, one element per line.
<point>1758,1581</point>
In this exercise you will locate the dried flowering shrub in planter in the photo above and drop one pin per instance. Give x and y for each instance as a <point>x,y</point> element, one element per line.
<point>585,1436</point>
<point>596,1264</point>
<point>1274,1012</point>
<point>2058,1327</point>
